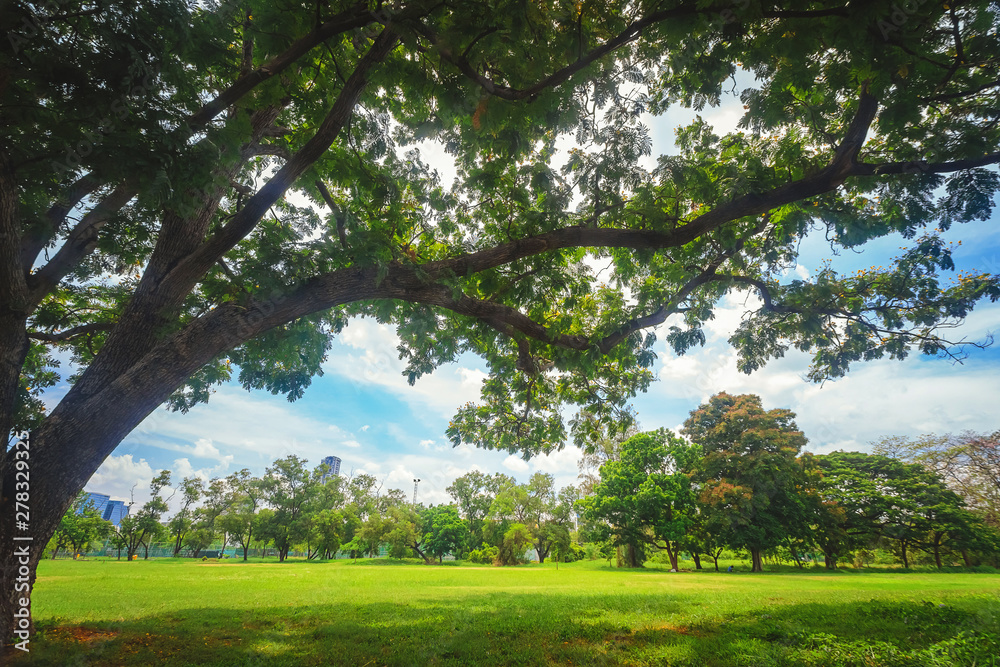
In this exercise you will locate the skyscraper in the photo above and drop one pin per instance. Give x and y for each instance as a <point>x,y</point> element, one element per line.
<point>333,462</point>
<point>110,510</point>
<point>115,511</point>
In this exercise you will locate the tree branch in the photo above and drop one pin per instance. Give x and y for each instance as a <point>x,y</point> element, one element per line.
<point>190,269</point>
<point>69,334</point>
<point>56,216</point>
<point>80,242</point>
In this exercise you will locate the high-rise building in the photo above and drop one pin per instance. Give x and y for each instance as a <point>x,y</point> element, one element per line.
<point>110,510</point>
<point>115,511</point>
<point>98,500</point>
<point>333,463</point>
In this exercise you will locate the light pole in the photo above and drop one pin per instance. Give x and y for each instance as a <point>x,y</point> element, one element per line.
<point>415,482</point>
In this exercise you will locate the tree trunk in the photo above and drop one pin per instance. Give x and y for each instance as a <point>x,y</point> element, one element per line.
<point>830,560</point>
<point>965,558</point>
<point>715,559</point>
<point>757,561</point>
<point>177,545</point>
<point>937,554</point>
<point>697,560</point>
<point>672,554</point>
<point>906,562</point>
<point>632,556</point>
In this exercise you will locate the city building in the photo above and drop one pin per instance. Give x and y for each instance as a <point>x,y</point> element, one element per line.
<point>333,462</point>
<point>115,511</point>
<point>110,510</point>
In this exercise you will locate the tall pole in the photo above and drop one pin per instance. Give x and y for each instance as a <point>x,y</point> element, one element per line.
<point>415,482</point>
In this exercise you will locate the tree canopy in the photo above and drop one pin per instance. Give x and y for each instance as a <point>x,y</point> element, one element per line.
<point>149,152</point>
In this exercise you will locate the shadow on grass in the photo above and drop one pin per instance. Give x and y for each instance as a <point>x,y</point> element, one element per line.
<point>500,628</point>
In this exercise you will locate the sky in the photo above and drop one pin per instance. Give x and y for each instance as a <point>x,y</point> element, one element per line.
<point>362,409</point>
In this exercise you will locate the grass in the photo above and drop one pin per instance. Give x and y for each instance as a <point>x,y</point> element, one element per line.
<point>184,612</point>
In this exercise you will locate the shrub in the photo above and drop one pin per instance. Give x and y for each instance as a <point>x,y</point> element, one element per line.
<point>483,555</point>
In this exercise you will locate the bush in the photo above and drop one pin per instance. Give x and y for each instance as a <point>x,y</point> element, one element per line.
<point>483,555</point>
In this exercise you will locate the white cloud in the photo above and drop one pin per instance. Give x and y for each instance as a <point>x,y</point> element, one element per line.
<point>363,428</point>
<point>516,463</point>
<point>368,356</point>
<point>353,444</point>
<point>877,398</point>
<point>236,421</point>
<point>119,474</point>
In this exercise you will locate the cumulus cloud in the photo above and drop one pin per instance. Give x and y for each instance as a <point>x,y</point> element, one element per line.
<point>368,357</point>
<point>119,474</point>
<point>516,463</point>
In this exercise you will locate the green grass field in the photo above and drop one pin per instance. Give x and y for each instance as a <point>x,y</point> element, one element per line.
<point>186,612</point>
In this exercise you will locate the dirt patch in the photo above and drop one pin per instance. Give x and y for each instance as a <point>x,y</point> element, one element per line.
<point>80,634</point>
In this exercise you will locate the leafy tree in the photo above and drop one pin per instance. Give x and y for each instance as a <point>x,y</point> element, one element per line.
<point>136,528</point>
<point>137,235</point>
<point>289,486</point>
<point>516,540</point>
<point>81,525</point>
<point>863,497</point>
<point>444,531</point>
<point>749,475</point>
<point>969,463</point>
<point>474,492</point>
<point>240,518</point>
<point>180,523</point>
<point>644,498</point>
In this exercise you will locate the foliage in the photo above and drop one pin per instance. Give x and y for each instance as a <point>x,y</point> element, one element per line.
<point>644,498</point>
<point>81,525</point>
<point>752,485</point>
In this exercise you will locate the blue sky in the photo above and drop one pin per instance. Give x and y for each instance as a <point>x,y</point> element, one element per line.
<point>363,411</point>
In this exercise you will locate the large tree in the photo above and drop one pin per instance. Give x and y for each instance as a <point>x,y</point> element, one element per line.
<point>147,148</point>
<point>752,485</point>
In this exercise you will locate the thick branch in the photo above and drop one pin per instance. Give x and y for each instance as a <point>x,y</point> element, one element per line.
<point>189,270</point>
<point>81,241</point>
<point>357,16</point>
<point>629,34</point>
<point>69,334</point>
<point>56,217</point>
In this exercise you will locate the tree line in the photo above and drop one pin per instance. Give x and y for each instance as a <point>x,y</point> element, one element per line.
<point>738,480</point>
<point>741,481</point>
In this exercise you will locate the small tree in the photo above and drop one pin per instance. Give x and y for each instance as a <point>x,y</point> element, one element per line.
<point>180,523</point>
<point>81,525</point>
<point>134,529</point>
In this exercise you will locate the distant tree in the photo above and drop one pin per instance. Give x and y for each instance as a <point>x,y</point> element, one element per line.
<point>135,528</point>
<point>289,485</point>
<point>603,447</point>
<point>969,463</point>
<point>81,525</point>
<point>644,498</point>
<point>474,492</point>
<point>444,531</point>
<point>180,523</point>
<point>749,476</point>
<point>861,500</point>
<point>240,518</point>
<point>516,540</point>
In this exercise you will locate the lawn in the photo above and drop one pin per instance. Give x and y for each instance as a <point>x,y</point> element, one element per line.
<point>186,612</point>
